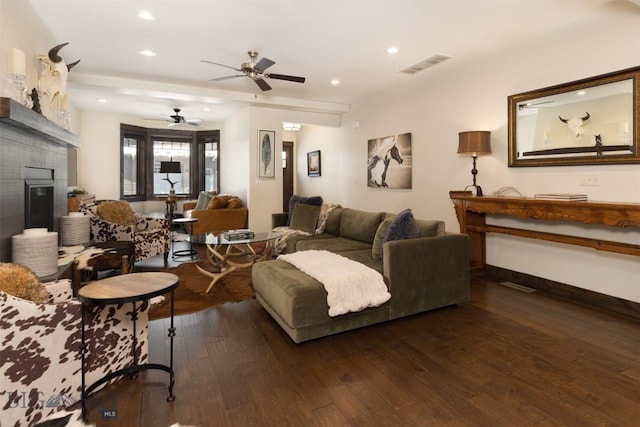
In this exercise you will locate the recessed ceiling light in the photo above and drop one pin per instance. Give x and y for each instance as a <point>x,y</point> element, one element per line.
<point>335,82</point>
<point>393,50</point>
<point>582,92</point>
<point>101,100</point>
<point>146,15</point>
<point>206,109</point>
<point>147,52</point>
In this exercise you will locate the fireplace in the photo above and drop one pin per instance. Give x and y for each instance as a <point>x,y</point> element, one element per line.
<point>39,203</point>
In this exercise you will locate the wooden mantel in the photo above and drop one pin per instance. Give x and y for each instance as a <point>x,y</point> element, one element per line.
<point>472,210</point>
<point>14,114</point>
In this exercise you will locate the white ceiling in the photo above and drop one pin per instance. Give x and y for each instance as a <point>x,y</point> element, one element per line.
<point>318,39</point>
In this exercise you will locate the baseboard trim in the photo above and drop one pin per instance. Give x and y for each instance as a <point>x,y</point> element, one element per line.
<point>596,299</point>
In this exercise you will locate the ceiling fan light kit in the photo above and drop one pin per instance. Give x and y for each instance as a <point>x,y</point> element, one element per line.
<point>256,71</point>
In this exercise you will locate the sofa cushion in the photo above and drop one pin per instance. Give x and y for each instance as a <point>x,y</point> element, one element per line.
<point>313,200</point>
<point>305,217</point>
<point>203,200</point>
<point>21,282</point>
<point>117,211</point>
<point>403,226</point>
<point>360,225</point>
<point>332,226</point>
<point>333,244</point>
<point>376,247</point>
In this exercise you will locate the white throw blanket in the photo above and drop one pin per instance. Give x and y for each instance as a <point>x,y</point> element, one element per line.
<point>350,285</point>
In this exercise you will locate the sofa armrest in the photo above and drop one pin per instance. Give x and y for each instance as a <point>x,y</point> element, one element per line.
<point>186,206</point>
<point>279,219</point>
<point>427,272</point>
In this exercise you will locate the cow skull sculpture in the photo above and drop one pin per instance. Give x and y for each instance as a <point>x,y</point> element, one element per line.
<point>576,124</point>
<point>53,79</point>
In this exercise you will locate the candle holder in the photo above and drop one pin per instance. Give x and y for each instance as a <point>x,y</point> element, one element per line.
<point>19,90</point>
<point>65,119</point>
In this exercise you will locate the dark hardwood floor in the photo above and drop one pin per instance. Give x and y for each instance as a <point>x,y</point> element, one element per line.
<point>508,358</point>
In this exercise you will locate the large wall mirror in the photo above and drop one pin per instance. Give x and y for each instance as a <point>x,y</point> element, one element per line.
<point>586,122</point>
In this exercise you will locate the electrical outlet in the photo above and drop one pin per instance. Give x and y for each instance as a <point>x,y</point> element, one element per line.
<point>590,179</point>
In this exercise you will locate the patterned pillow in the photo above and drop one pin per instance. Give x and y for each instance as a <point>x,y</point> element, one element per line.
<point>21,282</point>
<point>376,247</point>
<point>203,200</point>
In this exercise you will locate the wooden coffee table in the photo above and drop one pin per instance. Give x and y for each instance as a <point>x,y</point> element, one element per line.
<point>230,255</point>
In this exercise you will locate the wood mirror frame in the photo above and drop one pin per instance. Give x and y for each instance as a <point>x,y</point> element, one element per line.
<point>585,122</point>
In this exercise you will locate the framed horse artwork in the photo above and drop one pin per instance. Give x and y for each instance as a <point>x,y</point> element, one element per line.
<point>389,162</point>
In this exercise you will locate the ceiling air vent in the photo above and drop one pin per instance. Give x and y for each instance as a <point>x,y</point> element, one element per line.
<point>425,63</point>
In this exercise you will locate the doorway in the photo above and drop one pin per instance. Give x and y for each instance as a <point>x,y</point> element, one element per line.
<point>287,174</point>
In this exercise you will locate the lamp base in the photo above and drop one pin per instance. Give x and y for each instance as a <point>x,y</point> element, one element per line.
<point>478,189</point>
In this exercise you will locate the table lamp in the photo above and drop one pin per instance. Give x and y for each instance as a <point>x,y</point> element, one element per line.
<point>475,142</point>
<point>170,167</point>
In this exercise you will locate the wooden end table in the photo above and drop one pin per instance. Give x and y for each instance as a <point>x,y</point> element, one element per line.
<point>127,288</point>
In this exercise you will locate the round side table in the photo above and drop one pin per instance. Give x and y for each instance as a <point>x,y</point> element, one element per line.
<point>188,224</point>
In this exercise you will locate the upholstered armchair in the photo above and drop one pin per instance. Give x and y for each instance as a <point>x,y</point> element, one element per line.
<point>40,368</point>
<point>115,220</point>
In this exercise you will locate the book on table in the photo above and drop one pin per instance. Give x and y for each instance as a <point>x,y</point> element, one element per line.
<point>561,196</point>
<point>239,234</point>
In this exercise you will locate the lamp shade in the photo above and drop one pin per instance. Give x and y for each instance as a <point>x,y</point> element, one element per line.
<point>476,141</point>
<point>170,167</point>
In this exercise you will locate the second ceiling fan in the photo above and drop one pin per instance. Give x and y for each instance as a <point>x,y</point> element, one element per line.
<point>256,71</point>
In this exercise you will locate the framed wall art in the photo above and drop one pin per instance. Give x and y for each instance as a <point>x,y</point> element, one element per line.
<point>313,163</point>
<point>267,154</point>
<point>389,162</point>
<point>585,122</point>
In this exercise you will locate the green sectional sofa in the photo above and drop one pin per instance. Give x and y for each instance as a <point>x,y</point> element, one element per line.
<point>423,273</point>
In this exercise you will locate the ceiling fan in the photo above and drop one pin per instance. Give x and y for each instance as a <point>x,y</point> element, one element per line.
<point>256,71</point>
<point>177,119</point>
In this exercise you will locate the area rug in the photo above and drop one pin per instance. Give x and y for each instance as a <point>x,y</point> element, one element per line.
<point>190,295</point>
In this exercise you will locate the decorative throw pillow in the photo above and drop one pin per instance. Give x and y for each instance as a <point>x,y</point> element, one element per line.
<point>234,203</point>
<point>403,226</point>
<point>376,248</point>
<point>218,202</point>
<point>313,200</point>
<point>117,211</point>
<point>21,282</point>
<point>203,200</point>
<point>305,217</point>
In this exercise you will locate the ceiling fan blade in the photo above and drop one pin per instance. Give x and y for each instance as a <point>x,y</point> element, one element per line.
<point>262,84</point>
<point>285,77</point>
<point>263,64</point>
<point>226,78</point>
<point>194,121</point>
<point>222,65</point>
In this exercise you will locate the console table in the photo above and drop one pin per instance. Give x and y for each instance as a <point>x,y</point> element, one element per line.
<point>471,212</point>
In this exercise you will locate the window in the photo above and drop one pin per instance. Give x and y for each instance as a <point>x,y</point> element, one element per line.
<point>143,150</point>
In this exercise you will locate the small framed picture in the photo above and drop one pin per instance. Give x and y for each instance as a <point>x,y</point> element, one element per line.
<point>313,163</point>
<point>267,148</point>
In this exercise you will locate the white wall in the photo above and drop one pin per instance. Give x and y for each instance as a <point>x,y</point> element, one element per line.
<point>440,102</point>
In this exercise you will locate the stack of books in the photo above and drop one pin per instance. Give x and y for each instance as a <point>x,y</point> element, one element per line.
<point>561,196</point>
<point>239,234</point>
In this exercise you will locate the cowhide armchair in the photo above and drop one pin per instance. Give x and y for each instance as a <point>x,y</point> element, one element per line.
<point>115,220</point>
<point>40,367</point>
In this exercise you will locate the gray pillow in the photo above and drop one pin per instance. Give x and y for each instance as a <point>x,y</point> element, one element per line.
<point>403,226</point>
<point>305,217</point>
<point>203,200</point>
